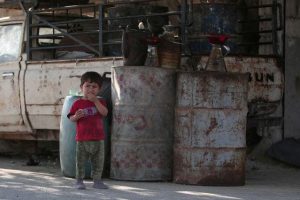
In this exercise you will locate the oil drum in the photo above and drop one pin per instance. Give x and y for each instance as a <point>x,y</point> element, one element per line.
<point>210,128</point>
<point>143,121</point>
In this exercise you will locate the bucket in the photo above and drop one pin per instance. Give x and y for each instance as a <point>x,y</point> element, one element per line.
<point>169,54</point>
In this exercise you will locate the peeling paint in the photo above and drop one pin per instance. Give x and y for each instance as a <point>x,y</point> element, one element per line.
<point>210,124</point>
<point>143,121</point>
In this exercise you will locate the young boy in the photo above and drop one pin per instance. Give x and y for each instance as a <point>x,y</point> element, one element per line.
<point>88,112</point>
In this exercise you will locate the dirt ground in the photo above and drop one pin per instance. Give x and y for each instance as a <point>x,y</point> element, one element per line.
<point>266,179</point>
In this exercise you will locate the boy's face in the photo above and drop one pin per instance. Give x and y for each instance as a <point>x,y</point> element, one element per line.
<point>90,89</point>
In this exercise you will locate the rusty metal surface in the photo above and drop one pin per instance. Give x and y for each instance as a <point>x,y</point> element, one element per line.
<point>266,81</point>
<point>10,101</point>
<point>216,166</point>
<point>210,128</point>
<point>211,90</point>
<point>143,122</point>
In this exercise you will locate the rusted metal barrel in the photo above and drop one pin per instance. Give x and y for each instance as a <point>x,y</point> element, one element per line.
<point>210,128</point>
<point>143,123</point>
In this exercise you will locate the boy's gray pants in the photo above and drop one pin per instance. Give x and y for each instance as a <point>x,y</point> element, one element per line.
<point>93,150</point>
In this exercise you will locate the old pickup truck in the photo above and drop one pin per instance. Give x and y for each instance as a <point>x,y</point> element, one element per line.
<point>33,85</point>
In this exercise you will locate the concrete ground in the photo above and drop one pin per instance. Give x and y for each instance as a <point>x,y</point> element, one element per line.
<point>265,180</point>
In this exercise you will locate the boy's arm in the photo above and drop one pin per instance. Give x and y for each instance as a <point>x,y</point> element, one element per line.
<point>73,118</point>
<point>101,108</point>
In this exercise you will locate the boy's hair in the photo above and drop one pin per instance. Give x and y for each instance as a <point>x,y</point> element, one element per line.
<point>92,77</point>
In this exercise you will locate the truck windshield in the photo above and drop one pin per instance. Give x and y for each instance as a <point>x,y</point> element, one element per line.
<point>10,40</point>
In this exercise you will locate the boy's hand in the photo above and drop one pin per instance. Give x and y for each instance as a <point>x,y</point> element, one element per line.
<point>92,98</point>
<point>79,114</point>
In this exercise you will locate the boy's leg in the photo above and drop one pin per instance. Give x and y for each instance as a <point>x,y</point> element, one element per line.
<point>97,160</point>
<point>80,161</point>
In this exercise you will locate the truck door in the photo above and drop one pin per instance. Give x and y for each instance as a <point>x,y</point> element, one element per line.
<point>12,118</point>
<point>52,81</point>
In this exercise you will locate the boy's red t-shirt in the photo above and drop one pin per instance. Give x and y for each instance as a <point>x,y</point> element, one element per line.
<point>90,127</point>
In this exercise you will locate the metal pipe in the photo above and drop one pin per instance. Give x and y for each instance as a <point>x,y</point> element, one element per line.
<point>58,35</point>
<point>57,47</point>
<point>29,32</point>
<point>126,2</point>
<point>65,22</point>
<point>63,8</point>
<point>274,28</point>
<point>145,16</point>
<point>100,24</point>
<point>183,26</point>
<point>67,35</point>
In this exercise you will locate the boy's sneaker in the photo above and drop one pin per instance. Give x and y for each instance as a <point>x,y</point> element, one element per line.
<point>98,184</point>
<point>80,185</point>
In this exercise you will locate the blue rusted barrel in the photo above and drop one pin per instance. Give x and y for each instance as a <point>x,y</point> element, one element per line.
<point>67,143</point>
<point>215,17</point>
<point>210,128</point>
<point>143,121</point>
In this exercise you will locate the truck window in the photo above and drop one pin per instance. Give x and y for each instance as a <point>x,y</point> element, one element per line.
<point>51,40</point>
<point>10,40</point>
